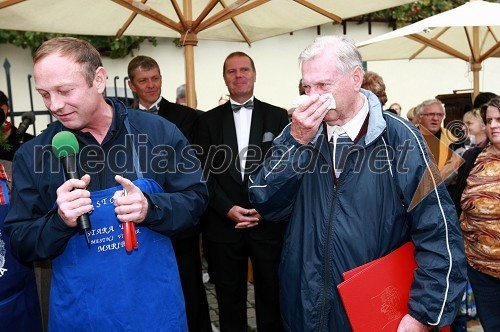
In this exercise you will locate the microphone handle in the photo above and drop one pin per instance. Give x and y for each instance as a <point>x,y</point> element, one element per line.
<point>22,129</point>
<point>71,172</point>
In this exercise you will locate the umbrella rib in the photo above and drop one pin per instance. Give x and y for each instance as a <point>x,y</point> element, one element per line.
<point>490,52</point>
<point>146,11</point>
<point>125,26</point>
<point>319,10</point>
<point>493,49</point>
<point>473,46</point>
<point>9,3</point>
<point>232,10</point>
<point>208,8</point>
<point>179,14</point>
<point>237,25</point>
<point>438,46</point>
<point>420,50</point>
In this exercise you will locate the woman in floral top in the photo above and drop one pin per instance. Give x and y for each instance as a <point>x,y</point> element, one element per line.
<point>480,219</point>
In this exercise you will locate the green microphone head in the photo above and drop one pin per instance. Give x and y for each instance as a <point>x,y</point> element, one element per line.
<point>64,144</point>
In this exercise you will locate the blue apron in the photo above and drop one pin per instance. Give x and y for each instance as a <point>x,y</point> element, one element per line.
<point>104,288</point>
<point>19,308</point>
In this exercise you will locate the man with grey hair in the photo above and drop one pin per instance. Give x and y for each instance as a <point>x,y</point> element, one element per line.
<point>180,95</point>
<point>341,173</point>
<point>431,113</point>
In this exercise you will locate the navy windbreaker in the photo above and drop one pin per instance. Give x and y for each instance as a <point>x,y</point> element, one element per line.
<point>367,215</point>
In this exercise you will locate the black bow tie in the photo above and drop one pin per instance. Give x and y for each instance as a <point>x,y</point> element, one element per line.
<point>237,107</point>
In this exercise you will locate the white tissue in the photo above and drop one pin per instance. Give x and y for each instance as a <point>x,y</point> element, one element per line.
<point>299,100</point>
<point>302,98</point>
<point>333,104</point>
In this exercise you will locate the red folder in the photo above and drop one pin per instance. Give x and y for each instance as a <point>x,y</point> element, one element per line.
<point>375,295</point>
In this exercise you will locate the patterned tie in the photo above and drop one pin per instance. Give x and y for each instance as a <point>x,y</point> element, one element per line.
<point>340,145</point>
<point>153,109</point>
<point>237,107</point>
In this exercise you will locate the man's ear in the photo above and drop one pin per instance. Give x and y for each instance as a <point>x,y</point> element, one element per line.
<point>100,79</point>
<point>357,76</point>
<point>131,85</point>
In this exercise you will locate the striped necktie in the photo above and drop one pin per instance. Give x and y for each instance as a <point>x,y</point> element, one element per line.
<point>340,144</point>
<point>153,109</point>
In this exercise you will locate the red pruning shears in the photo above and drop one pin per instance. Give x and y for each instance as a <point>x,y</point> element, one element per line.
<point>129,233</point>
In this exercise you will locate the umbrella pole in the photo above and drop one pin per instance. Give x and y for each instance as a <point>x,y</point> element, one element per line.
<point>476,67</point>
<point>190,40</point>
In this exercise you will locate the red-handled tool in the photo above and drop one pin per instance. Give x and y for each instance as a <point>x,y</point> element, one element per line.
<point>129,234</point>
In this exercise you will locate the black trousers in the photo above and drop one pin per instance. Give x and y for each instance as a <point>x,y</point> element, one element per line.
<point>187,253</point>
<point>486,291</point>
<point>230,267</point>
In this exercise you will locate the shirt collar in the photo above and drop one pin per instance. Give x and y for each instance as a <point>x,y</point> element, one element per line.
<point>353,126</point>
<point>156,103</point>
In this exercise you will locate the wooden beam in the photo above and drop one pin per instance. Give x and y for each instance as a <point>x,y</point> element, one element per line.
<point>236,8</point>
<point>319,10</point>
<point>146,11</point>
<point>9,3</point>
<point>127,23</point>
<point>435,44</point>
<point>182,17</point>
<point>237,25</point>
<point>204,13</point>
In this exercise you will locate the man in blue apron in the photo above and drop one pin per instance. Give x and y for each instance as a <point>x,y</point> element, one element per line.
<point>102,286</point>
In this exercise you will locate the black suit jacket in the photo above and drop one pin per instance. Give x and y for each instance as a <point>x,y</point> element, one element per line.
<point>182,116</point>
<point>216,135</point>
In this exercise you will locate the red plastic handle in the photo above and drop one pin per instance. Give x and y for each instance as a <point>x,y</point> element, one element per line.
<point>135,244</point>
<point>127,235</point>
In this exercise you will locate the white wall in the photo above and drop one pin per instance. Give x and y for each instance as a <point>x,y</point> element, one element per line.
<point>407,82</point>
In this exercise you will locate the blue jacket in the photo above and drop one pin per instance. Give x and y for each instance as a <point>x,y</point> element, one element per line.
<point>36,230</point>
<point>366,216</point>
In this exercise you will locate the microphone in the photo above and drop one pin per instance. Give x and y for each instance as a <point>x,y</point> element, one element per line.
<point>65,147</point>
<point>27,119</point>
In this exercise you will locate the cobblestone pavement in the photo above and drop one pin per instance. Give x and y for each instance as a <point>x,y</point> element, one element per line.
<point>214,310</point>
<point>472,325</point>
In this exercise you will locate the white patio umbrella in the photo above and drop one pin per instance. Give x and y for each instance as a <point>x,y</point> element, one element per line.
<point>190,20</point>
<point>470,32</point>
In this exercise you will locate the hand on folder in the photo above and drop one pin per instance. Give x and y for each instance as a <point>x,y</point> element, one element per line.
<point>410,324</point>
<point>375,295</point>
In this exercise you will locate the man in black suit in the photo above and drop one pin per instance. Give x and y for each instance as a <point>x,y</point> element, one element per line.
<point>145,81</point>
<point>234,138</point>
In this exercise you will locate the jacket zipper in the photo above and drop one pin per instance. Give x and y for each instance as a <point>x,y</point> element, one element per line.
<point>326,261</point>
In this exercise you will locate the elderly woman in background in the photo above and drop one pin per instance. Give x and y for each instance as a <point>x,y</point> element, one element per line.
<point>477,196</point>
<point>475,135</point>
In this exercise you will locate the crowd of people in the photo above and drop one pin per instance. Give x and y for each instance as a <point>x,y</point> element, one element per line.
<point>305,195</point>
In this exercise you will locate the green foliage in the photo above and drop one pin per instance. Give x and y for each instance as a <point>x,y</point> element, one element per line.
<point>415,11</point>
<point>108,46</point>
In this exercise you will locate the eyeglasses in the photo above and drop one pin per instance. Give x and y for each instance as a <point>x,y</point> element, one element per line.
<point>432,115</point>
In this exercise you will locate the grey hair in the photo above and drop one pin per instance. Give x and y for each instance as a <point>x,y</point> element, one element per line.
<point>420,107</point>
<point>342,47</point>
<point>181,91</point>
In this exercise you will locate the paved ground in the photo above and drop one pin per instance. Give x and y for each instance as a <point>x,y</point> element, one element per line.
<point>472,326</point>
<point>214,311</point>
